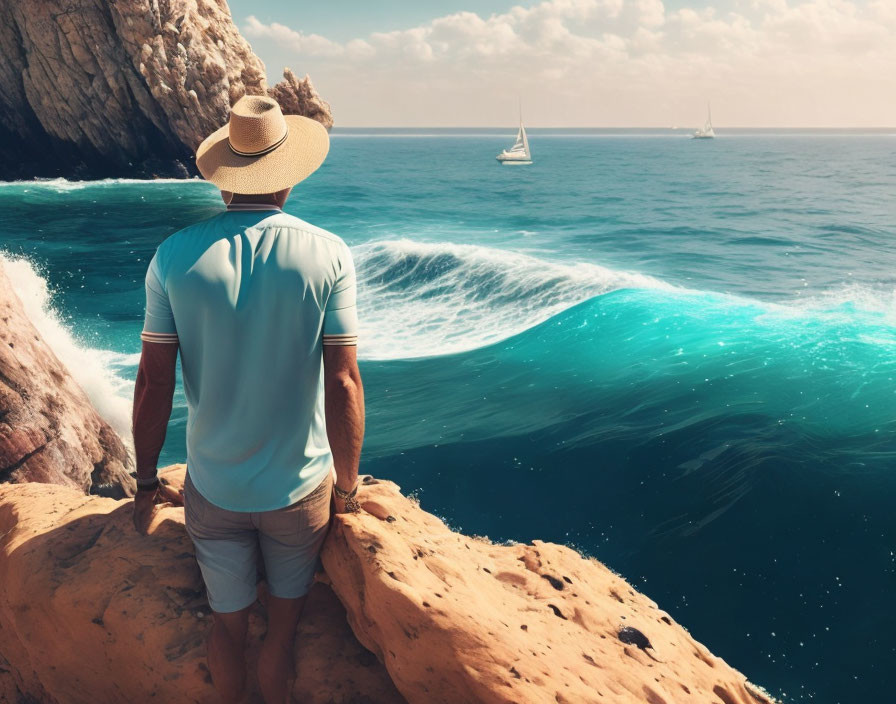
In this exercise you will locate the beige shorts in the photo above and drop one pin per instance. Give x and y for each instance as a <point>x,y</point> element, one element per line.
<point>228,543</point>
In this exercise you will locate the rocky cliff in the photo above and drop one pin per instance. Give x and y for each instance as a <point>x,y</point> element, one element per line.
<point>95,88</point>
<point>91,611</point>
<point>49,432</point>
<point>460,619</point>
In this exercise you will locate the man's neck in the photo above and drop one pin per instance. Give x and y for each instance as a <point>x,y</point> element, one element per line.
<point>264,198</point>
<point>253,206</point>
<point>247,202</point>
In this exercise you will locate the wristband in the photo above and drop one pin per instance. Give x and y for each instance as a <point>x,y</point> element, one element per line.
<point>343,494</point>
<point>148,484</point>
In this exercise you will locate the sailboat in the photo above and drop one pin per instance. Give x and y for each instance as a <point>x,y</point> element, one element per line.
<point>519,153</point>
<point>706,132</point>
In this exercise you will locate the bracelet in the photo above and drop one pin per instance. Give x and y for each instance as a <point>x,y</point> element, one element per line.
<point>352,506</point>
<point>148,484</point>
<point>343,494</point>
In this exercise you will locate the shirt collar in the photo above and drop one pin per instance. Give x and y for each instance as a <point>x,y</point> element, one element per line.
<point>252,206</point>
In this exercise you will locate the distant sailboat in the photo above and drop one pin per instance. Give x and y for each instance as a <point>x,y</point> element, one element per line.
<point>706,132</point>
<point>519,153</point>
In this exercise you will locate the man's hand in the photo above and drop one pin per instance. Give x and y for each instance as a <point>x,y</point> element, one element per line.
<point>343,504</point>
<point>146,503</point>
<point>338,505</point>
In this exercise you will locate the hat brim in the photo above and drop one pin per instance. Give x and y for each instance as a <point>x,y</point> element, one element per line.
<point>300,155</point>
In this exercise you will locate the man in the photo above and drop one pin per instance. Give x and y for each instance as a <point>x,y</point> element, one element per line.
<point>261,306</point>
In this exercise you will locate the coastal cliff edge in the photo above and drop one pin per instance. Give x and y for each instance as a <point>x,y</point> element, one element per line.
<point>94,88</point>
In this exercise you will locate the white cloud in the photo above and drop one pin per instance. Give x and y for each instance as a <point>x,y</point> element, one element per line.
<point>591,62</point>
<point>301,44</point>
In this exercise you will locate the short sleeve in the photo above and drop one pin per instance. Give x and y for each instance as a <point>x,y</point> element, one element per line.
<point>341,313</point>
<point>159,322</point>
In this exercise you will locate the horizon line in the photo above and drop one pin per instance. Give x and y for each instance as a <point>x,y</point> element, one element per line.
<point>611,127</point>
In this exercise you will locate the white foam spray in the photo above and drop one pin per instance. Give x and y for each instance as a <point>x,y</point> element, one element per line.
<point>422,299</point>
<point>92,369</point>
<point>63,185</point>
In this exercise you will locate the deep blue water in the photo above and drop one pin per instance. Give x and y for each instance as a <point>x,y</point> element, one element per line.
<point>676,356</point>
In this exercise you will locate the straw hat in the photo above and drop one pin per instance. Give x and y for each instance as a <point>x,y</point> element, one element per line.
<point>261,150</point>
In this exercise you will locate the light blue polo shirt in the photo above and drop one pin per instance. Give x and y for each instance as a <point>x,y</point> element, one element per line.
<point>251,296</point>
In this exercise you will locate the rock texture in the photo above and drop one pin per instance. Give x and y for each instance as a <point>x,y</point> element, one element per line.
<point>457,619</point>
<point>90,611</point>
<point>298,97</point>
<point>92,88</point>
<point>49,432</point>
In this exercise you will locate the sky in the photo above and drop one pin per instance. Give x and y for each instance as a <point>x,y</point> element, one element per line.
<point>586,63</point>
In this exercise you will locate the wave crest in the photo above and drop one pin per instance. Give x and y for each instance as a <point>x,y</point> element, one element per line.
<point>423,299</point>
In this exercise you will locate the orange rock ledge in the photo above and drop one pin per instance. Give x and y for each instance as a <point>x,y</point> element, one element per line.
<point>460,619</point>
<point>91,611</point>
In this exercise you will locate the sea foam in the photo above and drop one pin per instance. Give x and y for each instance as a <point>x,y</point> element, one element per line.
<point>422,299</point>
<point>61,185</point>
<point>92,369</point>
<point>419,299</point>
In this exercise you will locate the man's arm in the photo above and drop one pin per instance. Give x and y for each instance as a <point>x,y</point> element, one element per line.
<point>344,404</point>
<point>153,398</point>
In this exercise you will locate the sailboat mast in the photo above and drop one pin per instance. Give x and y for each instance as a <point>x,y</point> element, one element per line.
<point>523,132</point>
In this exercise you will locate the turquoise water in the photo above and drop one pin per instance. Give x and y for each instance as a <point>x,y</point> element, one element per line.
<point>676,356</point>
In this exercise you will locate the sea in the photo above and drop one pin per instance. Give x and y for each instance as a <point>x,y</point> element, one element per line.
<point>676,356</point>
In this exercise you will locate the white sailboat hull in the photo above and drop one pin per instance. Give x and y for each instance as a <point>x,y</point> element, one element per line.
<point>506,158</point>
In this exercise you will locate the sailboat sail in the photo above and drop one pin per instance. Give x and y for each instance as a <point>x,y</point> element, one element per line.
<point>521,145</point>
<point>707,131</point>
<point>519,153</point>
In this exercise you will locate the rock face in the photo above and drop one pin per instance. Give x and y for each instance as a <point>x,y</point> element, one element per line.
<point>49,432</point>
<point>90,611</point>
<point>93,88</point>
<point>456,619</point>
<point>298,97</point>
